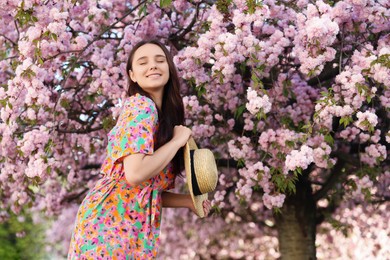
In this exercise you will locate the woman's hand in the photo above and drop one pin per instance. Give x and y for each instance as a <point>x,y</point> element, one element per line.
<point>181,134</point>
<point>206,207</point>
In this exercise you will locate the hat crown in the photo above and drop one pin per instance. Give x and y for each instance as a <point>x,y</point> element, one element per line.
<point>205,170</point>
<point>201,174</point>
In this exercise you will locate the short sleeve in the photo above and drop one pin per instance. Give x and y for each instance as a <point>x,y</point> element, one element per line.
<point>133,132</point>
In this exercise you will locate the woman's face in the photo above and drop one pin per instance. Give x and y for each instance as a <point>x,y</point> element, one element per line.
<point>150,68</point>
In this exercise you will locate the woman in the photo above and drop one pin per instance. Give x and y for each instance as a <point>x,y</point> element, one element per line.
<point>120,217</point>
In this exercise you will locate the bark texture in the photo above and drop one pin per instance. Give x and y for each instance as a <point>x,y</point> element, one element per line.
<point>297,224</point>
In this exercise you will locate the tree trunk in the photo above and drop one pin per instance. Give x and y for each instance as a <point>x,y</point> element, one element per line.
<point>296,224</point>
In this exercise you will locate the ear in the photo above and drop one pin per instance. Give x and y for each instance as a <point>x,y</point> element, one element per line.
<point>132,77</point>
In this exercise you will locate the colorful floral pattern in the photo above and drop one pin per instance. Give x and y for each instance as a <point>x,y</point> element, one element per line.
<point>117,220</point>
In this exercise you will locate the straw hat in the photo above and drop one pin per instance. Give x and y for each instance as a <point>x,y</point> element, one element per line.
<point>201,174</point>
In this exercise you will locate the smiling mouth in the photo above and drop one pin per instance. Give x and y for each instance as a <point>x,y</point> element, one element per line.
<point>153,75</point>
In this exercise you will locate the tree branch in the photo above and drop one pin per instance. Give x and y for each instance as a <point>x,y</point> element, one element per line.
<point>99,37</point>
<point>324,76</point>
<point>74,196</point>
<point>174,39</point>
<point>337,174</point>
<point>92,166</point>
<point>13,43</point>
<point>227,163</point>
<point>81,131</point>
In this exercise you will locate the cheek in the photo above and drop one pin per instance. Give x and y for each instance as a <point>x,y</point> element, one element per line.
<point>139,72</point>
<point>166,68</point>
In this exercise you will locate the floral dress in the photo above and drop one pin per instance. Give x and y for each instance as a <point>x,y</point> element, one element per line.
<point>117,220</point>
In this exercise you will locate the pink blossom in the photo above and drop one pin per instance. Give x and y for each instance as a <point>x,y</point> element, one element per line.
<point>33,33</point>
<point>271,201</point>
<point>257,103</point>
<point>299,158</point>
<point>26,48</point>
<point>366,119</point>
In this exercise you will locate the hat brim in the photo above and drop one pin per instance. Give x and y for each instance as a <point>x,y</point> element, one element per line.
<point>198,199</point>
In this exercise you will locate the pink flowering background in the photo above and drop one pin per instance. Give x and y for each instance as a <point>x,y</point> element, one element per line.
<point>293,97</point>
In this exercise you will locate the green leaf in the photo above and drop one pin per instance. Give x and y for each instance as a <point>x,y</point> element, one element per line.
<point>54,36</point>
<point>291,187</point>
<point>285,91</point>
<point>239,111</point>
<point>254,58</point>
<point>65,103</point>
<point>383,60</point>
<point>329,139</point>
<point>201,89</point>
<point>345,121</point>
<point>142,10</point>
<point>257,187</point>
<point>277,211</point>
<point>223,6</point>
<point>308,127</point>
<point>240,163</point>
<point>290,143</point>
<point>254,78</point>
<point>108,123</point>
<point>216,209</point>
<point>221,78</point>
<point>3,102</point>
<point>48,146</point>
<point>165,3</point>
<point>28,73</point>
<point>252,5</point>
<point>20,153</point>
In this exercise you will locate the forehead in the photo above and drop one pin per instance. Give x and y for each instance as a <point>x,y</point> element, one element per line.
<point>148,50</point>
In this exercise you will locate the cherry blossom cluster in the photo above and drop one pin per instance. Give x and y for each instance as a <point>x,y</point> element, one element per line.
<point>316,34</point>
<point>241,149</point>
<point>279,141</point>
<point>374,154</point>
<point>362,233</point>
<point>321,156</point>
<point>366,120</point>
<point>256,103</point>
<point>305,95</point>
<point>301,158</point>
<point>203,127</point>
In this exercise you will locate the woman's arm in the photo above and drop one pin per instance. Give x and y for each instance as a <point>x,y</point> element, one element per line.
<point>175,200</point>
<point>140,167</point>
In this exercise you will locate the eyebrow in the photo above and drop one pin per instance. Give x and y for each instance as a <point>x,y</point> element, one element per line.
<point>157,56</point>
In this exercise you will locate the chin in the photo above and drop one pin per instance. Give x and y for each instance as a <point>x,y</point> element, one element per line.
<point>152,88</point>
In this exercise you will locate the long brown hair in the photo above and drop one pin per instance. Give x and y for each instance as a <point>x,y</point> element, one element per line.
<point>172,108</point>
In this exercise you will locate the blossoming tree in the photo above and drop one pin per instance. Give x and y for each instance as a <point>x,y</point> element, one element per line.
<point>292,96</point>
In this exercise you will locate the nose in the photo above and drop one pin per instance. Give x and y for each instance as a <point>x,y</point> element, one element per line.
<point>153,65</point>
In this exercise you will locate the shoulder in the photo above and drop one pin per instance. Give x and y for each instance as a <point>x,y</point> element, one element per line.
<point>140,103</point>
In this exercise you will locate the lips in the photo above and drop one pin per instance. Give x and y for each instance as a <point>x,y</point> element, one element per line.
<point>153,75</point>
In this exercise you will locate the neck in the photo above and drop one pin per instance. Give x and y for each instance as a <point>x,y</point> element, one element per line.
<point>157,97</point>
